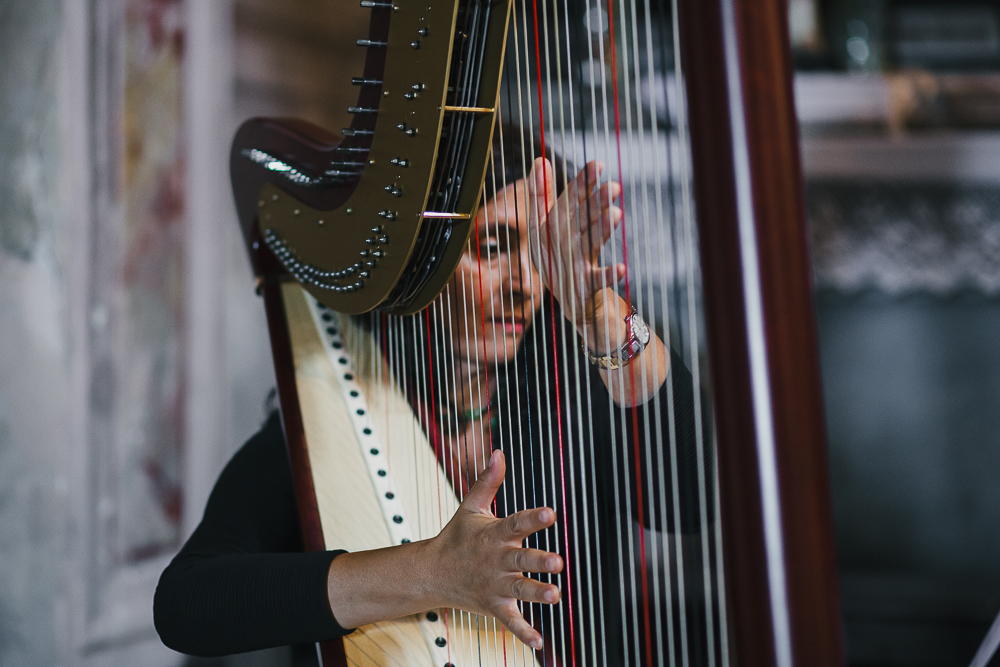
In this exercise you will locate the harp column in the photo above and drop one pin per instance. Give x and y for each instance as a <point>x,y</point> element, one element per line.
<point>777,522</point>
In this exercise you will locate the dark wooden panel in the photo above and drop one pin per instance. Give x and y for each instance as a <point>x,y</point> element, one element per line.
<point>751,630</point>
<point>790,326</point>
<point>795,394</point>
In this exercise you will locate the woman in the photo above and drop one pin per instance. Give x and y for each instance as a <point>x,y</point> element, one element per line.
<point>532,273</point>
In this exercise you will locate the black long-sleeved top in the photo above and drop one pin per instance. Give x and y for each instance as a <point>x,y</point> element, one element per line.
<point>241,583</point>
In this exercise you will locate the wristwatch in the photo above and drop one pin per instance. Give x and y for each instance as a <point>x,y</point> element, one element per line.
<point>637,338</point>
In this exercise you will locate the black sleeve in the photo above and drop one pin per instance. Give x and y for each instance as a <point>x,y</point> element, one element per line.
<point>241,582</point>
<point>655,463</point>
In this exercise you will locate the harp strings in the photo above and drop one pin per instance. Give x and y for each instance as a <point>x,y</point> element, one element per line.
<point>443,363</point>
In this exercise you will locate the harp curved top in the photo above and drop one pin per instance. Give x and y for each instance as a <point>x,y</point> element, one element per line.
<point>346,219</point>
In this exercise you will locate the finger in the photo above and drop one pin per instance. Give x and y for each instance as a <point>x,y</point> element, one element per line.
<point>533,560</point>
<point>541,189</point>
<point>581,186</point>
<point>531,590</point>
<point>602,197</point>
<point>609,275</point>
<point>480,497</point>
<point>602,225</point>
<point>512,619</point>
<point>522,524</point>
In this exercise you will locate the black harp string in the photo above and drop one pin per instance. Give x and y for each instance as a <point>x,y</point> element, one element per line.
<point>664,226</point>
<point>515,466</point>
<point>640,593</point>
<point>587,247</point>
<point>646,229</point>
<point>538,311</point>
<point>435,313</point>
<point>497,372</point>
<point>677,212</point>
<point>584,566</point>
<point>693,328</point>
<point>471,464</point>
<point>693,323</point>
<point>515,399</point>
<point>414,353</point>
<point>546,428</point>
<point>461,620</point>
<point>525,421</point>
<point>608,318</point>
<point>488,437</point>
<point>556,467</point>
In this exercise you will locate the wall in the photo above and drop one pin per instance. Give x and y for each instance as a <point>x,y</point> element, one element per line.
<point>114,384</point>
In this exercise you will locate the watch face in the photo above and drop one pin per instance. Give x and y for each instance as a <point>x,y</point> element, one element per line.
<point>640,329</point>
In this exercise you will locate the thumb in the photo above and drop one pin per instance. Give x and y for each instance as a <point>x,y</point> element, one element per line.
<point>481,495</point>
<point>541,189</point>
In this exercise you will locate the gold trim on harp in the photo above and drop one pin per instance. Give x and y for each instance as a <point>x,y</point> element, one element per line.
<point>452,109</point>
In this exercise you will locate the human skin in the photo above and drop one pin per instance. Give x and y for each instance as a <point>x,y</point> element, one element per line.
<point>476,563</point>
<point>512,254</point>
<point>526,241</point>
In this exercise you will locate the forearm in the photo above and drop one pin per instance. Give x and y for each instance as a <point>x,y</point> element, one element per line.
<point>605,332</point>
<point>371,586</point>
<point>640,380</point>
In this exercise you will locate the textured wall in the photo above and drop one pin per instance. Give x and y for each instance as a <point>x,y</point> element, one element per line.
<point>33,336</point>
<point>84,186</point>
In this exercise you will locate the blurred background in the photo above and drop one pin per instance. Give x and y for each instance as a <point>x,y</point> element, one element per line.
<point>134,358</point>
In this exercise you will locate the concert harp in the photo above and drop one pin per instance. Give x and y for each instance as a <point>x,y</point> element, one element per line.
<point>355,240</point>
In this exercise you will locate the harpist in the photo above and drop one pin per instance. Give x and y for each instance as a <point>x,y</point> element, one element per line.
<point>541,346</point>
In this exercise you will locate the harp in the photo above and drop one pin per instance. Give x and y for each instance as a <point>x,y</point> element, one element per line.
<point>709,544</point>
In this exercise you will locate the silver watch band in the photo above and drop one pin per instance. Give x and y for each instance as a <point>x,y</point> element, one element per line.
<point>636,340</point>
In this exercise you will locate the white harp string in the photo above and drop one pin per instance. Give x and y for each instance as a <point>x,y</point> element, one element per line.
<point>548,415</point>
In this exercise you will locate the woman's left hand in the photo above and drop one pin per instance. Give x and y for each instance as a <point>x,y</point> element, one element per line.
<point>565,238</point>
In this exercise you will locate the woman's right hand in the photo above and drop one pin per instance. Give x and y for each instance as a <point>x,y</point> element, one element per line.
<point>475,564</point>
<point>479,562</point>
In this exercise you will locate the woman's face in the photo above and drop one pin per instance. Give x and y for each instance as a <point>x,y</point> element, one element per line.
<point>494,281</point>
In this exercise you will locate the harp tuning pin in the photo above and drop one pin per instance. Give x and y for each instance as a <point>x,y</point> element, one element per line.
<point>370,263</point>
<point>371,241</point>
<point>394,191</point>
<point>415,44</point>
<point>417,87</point>
<point>400,162</point>
<point>377,229</point>
<point>388,215</point>
<point>383,238</point>
<point>410,96</point>
<point>365,253</point>
<point>423,32</point>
